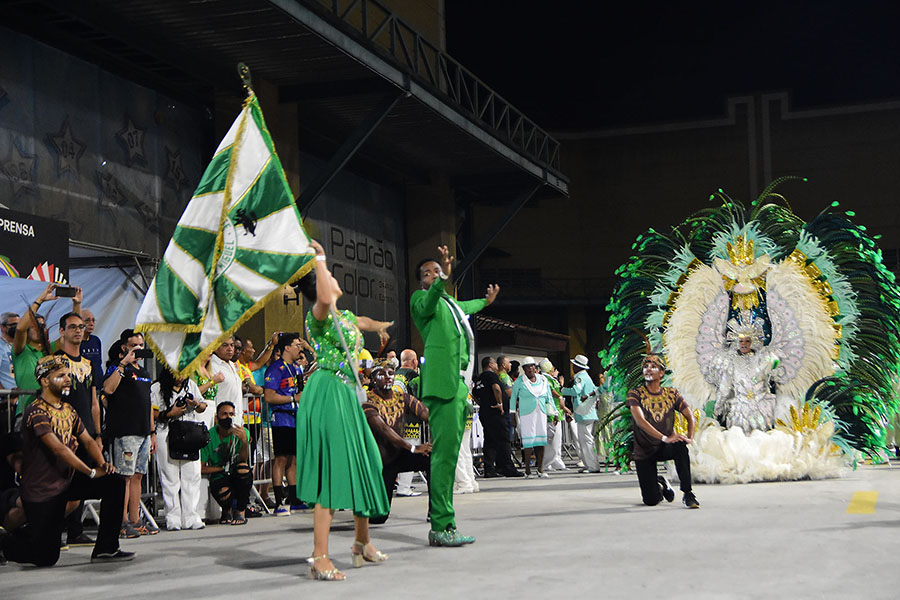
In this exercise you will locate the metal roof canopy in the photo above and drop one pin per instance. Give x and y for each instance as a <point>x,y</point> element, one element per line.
<point>497,332</point>
<point>335,59</point>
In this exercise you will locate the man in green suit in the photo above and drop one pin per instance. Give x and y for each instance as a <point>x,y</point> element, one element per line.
<point>449,351</point>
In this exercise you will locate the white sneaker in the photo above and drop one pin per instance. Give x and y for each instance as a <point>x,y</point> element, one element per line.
<point>282,511</point>
<point>544,475</point>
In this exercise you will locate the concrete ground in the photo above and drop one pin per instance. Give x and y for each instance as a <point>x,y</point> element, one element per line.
<point>570,534</point>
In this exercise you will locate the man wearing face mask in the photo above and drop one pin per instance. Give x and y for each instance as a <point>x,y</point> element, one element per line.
<point>653,410</point>
<point>226,459</point>
<point>8,323</point>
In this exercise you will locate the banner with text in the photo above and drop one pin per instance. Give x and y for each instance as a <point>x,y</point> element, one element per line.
<point>33,247</point>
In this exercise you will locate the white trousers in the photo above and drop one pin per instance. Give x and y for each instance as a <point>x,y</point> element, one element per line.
<point>584,441</point>
<point>180,480</point>
<point>404,480</point>
<point>553,452</point>
<point>465,474</point>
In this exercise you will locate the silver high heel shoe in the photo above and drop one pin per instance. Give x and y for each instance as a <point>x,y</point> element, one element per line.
<point>329,575</point>
<point>360,557</point>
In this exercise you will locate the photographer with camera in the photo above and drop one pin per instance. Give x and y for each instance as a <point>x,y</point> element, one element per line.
<point>226,459</point>
<point>130,428</point>
<point>177,405</point>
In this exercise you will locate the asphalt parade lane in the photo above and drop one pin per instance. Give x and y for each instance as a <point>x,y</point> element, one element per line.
<point>540,538</point>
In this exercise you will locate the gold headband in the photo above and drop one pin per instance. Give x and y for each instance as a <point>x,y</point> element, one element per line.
<point>48,364</point>
<point>657,359</point>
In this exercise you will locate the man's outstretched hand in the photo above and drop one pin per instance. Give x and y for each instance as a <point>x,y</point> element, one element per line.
<point>492,290</point>
<point>446,260</point>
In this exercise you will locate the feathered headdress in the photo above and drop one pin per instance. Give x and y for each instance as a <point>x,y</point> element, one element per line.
<point>650,356</point>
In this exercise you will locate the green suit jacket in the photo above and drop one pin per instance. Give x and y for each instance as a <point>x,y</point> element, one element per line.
<point>439,375</point>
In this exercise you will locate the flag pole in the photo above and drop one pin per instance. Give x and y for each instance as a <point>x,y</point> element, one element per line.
<point>244,73</point>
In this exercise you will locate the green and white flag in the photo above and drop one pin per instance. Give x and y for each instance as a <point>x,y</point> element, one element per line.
<point>239,241</point>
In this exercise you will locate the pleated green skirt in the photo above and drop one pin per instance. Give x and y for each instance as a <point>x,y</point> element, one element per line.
<point>338,463</point>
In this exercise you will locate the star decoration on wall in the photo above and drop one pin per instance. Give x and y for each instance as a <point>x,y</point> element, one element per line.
<point>174,172</point>
<point>68,149</point>
<point>131,137</point>
<point>21,170</point>
<point>111,195</point>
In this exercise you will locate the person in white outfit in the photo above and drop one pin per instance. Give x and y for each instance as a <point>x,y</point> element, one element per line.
<point>532,402</point>
<point>172,400</point>
<point>584,400</point>
<point>464,481</point>
<point>231,388</point>
<point>553,460</point>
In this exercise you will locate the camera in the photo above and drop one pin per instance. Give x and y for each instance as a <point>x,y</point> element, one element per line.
<point>182,401</point>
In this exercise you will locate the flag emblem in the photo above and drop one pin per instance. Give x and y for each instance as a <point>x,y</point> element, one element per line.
<point>214,275</point>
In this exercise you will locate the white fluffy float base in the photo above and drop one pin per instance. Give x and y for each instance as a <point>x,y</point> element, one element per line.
<point>729,456</point>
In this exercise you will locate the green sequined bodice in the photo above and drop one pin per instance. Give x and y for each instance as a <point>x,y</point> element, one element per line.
<point>330,353</point>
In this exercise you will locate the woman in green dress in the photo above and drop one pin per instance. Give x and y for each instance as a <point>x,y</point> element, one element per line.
<point>338,463</point>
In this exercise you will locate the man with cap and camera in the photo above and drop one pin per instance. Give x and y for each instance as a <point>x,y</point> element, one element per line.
<point>584,400</point>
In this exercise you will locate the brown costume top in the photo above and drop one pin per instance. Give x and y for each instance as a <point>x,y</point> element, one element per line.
<point>659,410</point>
<point>387,417</point>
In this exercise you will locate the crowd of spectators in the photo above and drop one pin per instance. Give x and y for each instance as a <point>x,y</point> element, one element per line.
<point>96,433</point>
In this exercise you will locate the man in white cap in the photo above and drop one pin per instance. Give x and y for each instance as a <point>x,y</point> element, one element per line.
<point>584,399</point>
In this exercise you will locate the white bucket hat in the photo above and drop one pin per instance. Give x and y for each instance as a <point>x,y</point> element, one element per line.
<point>580,361</point>
<point>528,360</point>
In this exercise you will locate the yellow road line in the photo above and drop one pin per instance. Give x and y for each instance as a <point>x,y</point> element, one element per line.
<point>862,503</point>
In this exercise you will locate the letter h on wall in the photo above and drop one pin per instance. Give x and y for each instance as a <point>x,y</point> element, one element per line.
<point>296,299</point>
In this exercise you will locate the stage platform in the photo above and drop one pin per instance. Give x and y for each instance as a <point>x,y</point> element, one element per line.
<point>572,535</point>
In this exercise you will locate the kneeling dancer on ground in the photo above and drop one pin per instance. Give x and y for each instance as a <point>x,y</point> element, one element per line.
<point>53,475</point>
<point>386,411</point>
<point>653,409</point>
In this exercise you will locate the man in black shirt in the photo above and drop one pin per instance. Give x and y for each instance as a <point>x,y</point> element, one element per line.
<point>487,391</point>
<point>129,423</point>
<point>83,397</point>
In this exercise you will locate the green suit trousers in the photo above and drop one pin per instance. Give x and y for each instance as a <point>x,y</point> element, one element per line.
<point>447,422</point>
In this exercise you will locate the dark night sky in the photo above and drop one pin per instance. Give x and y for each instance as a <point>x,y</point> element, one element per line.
<point>581,64</point>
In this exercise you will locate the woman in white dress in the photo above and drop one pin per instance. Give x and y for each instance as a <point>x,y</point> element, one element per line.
<point>531,401</point>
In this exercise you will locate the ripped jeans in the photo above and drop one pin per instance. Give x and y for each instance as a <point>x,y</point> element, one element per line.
<point>131,454</point>
<point>233,487</point>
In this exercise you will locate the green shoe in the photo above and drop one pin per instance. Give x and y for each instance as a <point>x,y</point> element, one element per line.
<point>450,538</point>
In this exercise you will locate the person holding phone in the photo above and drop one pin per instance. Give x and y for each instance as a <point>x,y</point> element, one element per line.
<point>30,343</point>
<point>130,424</point>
